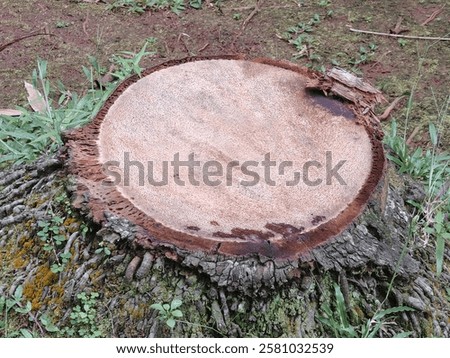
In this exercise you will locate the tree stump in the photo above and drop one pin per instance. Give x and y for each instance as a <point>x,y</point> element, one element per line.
<point>221,125</point>
<point>247,257</point>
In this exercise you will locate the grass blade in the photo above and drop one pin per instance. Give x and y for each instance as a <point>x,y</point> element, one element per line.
<point>433,134</point>
<point>440,246</point>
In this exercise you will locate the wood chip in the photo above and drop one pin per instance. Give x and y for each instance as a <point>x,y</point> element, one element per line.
<point>351,80</point>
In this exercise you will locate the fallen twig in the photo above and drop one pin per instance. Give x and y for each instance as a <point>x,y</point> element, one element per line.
<point>84,26</point>
<point>432,16</point>
<point>256,9</point>
<point>398,27</point>
<point>181,40</point>
<point>412,135</point>
<point>389,109</point>
<point>400,36</point>
<point>2,47</point>
<point>203,48</point>
<point>244,8</point>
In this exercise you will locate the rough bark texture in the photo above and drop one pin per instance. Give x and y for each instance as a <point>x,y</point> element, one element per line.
<point>372,252</point>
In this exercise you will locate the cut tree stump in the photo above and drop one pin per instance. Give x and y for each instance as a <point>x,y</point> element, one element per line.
<point>231,159</point>
<point>246,260</point>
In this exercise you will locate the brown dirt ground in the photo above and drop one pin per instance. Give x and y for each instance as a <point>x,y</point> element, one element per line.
<point>92,29</point>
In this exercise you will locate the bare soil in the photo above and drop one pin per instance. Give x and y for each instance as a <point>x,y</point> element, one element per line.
<point>79,29</point>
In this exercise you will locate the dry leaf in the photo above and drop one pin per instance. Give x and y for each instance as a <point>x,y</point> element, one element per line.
<point>10,112</point>
<point>35,98</point>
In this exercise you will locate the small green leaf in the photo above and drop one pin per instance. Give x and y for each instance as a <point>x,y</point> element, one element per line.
<point>58,220</point>
<point>439,218</point>
<point>340,302</point>
<point>403,334</point>
<point>157,306</point>
<point>95,295</point>
<point>389,311</point>
<point>177,313</point>
<point>374,330</point>
<point>10,303</point>
<point>48,324</point>
<point>25,333</point>
<point>23,310</point>
<point>196,4</point>
<point>66,255</point>
<point>175,303</point>
<point>440,246</point>
<point>42,224</point>
<point>18,293</point>
<point>171,322</point>
<point>433,134</point>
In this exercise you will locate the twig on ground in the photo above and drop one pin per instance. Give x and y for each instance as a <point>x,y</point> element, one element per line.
<point>180,39</point>
<point>433,16</point>
<point>400,36</point>
<point>85,24</point>
<point>256,9</point>
<point>389,109</point>
<point>413,134</point>
<point>244,8</point>
<point>398,27</point>
<point>203,48</point>
<point>2,47</point>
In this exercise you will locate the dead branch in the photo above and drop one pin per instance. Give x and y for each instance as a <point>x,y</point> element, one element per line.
<point>413,134</point>
<point>433,16</point>
<point>203,48</point>
<point>256,9</point>
<point>400,36</point>
<point>2,47</point>
<point>389,109</point>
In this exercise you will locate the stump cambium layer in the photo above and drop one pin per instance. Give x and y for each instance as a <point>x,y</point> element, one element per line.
<point>237,115</point>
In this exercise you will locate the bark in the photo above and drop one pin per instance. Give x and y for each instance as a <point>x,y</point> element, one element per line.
<point>244,298</point>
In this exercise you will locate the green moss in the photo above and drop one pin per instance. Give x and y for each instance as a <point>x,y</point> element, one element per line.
<point>33,289</point>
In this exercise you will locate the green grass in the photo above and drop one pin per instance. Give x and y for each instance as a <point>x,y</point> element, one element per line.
<point>33,133</point>
<point>17,319</point>
<point>338,321</point>
<point>12,311</point>
<point>140,6</point>
<point>431,167</point>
